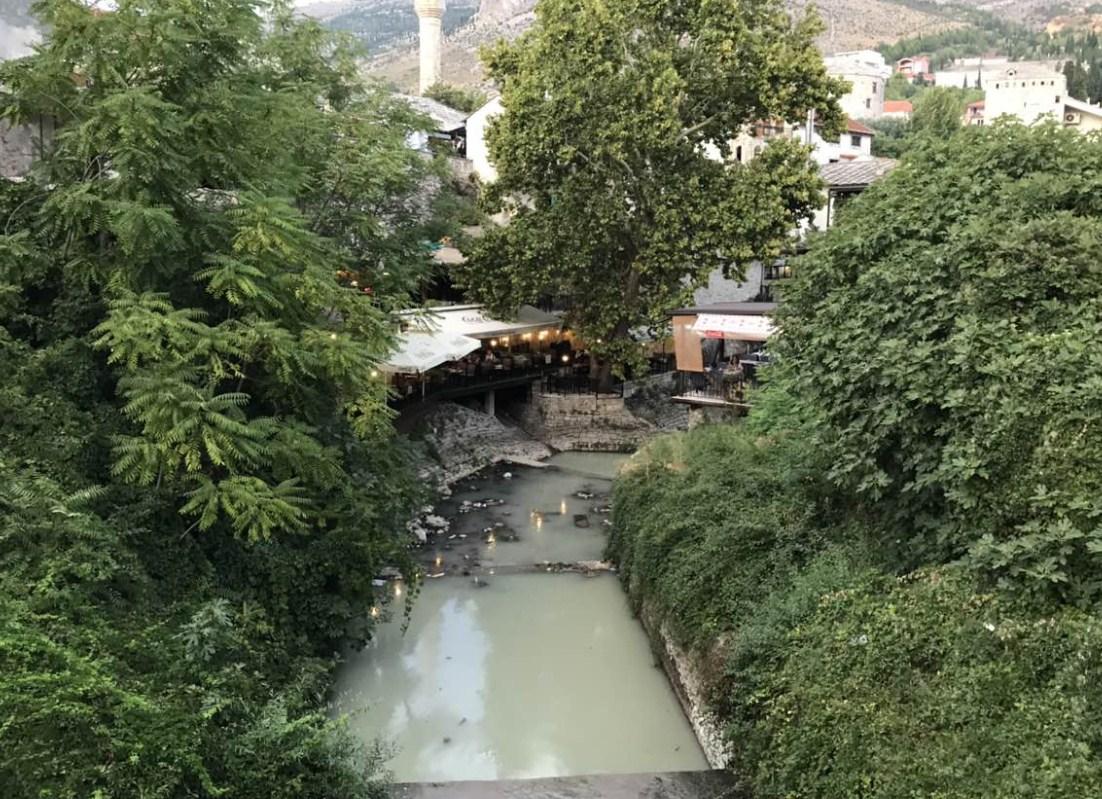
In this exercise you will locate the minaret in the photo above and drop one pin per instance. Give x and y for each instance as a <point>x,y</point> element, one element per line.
<point>431,15</point>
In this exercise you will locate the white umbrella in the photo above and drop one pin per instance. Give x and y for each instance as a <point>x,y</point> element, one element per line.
<point>418,352</point>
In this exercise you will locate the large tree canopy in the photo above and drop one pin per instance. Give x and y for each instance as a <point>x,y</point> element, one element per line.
<point>614,152</point>
<point>246,215</point>
<point>197,477</point>
<point>945,337</point>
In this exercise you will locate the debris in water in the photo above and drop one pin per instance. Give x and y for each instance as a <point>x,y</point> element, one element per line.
<point>581,520</point>
<point>584,494</point>
<point>462,721</point>
<point>602,509</point>
<point>508,475</point>
<point>478,582</point>
<point>447,740</point>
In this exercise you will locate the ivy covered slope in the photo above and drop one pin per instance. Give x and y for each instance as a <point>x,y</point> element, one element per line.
<point>890,572</point>
<point>197,475</point>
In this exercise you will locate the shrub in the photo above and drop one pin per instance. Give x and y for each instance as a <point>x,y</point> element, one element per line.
<point>705,521</point>
<point>922,687</point>
<point>950,353</point>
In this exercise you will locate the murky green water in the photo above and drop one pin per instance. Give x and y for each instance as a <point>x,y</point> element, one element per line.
<point>529,675</point>
<point>556,514</point>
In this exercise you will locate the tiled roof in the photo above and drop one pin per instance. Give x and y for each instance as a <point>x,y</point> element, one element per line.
<point>856,173</point>
<point>853,126</point>
<point>898,107</point>
<point>978,105</point>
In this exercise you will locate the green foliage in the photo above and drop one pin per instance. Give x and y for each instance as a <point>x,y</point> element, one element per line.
<point>608,112</point>
<point>924,687</point>
<point>198,479</point>
<point>706,522</point>
<point>938,112</point>
<point>466,99</point>
<point>832,677</point>
<point>893,136</point>
<point>949,354</point>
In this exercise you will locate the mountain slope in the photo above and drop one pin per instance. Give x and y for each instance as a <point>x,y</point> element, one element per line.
<point>850,24</point>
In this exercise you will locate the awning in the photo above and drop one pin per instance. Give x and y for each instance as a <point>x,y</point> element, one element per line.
<point>734,326</point>
<point>473,321</point>
<point>419,352</point>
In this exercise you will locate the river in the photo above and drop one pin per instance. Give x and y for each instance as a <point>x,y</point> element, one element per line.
<point>506,672</point>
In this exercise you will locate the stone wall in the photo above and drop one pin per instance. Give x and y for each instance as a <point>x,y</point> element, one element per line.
<point>685,674</point>
<point>649,399</point>
<point>583,422</point>
<point>465,441</point>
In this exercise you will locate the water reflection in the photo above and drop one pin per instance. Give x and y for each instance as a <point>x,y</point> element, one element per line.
<point>532,675</point>
<point>519,675</point>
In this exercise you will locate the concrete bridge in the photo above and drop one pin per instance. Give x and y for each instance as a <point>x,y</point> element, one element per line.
<point>675,785</point>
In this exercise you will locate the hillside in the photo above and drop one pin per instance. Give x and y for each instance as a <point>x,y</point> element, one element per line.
<point>850,24</point>
<point>381,25</point>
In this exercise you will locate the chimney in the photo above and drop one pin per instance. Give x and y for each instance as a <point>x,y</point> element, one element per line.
<point>430,13</point>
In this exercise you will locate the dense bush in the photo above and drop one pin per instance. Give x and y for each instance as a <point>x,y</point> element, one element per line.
<point>921,686</point>
<point>198,480</point>
<point>837,678</point>
<point>950,354</point>
<point>706,523</point>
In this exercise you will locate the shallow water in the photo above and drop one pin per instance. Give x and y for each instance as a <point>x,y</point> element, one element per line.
<point>531,674</point>
<point>534,675</point>
<point>542,512</point>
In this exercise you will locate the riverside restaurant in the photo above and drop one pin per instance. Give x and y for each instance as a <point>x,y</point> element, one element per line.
<point>452,351</point>
<point>719,351</point>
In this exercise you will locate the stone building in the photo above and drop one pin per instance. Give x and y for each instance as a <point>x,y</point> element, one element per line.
<point>867,73</point>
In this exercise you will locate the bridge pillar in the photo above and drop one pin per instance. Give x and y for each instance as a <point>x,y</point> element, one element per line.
<point>488,403</point>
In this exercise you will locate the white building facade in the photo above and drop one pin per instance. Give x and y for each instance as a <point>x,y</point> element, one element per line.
<point>478,153</point>
<point>1025,91</point>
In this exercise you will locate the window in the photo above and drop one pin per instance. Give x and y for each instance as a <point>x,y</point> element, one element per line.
<point>855,140</point>
<point>1057,98</point>
<point>874,87</point>
<point>868,102</point>
<point>738,153</point>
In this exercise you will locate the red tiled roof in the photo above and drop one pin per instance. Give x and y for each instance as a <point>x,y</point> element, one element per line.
<point>853,126</point>
<point>978,105</point>
<point>898,107</point>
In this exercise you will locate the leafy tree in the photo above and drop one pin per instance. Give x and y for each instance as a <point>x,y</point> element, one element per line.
<point>938,112</point>
<point>1077,78</point>
<point>948,353</point>
<point>893,136</point>
<point>616,208</point>
<point>198,479</point>
<point>215,239</point>
<point>899,87</point>
<point>461,98</point>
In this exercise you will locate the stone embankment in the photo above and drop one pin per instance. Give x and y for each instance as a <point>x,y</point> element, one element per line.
<point>465,441</point>
<point>685,671</point>
<point>603,422</point>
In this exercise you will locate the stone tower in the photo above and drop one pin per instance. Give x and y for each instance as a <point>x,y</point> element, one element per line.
<point>430,13</point>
